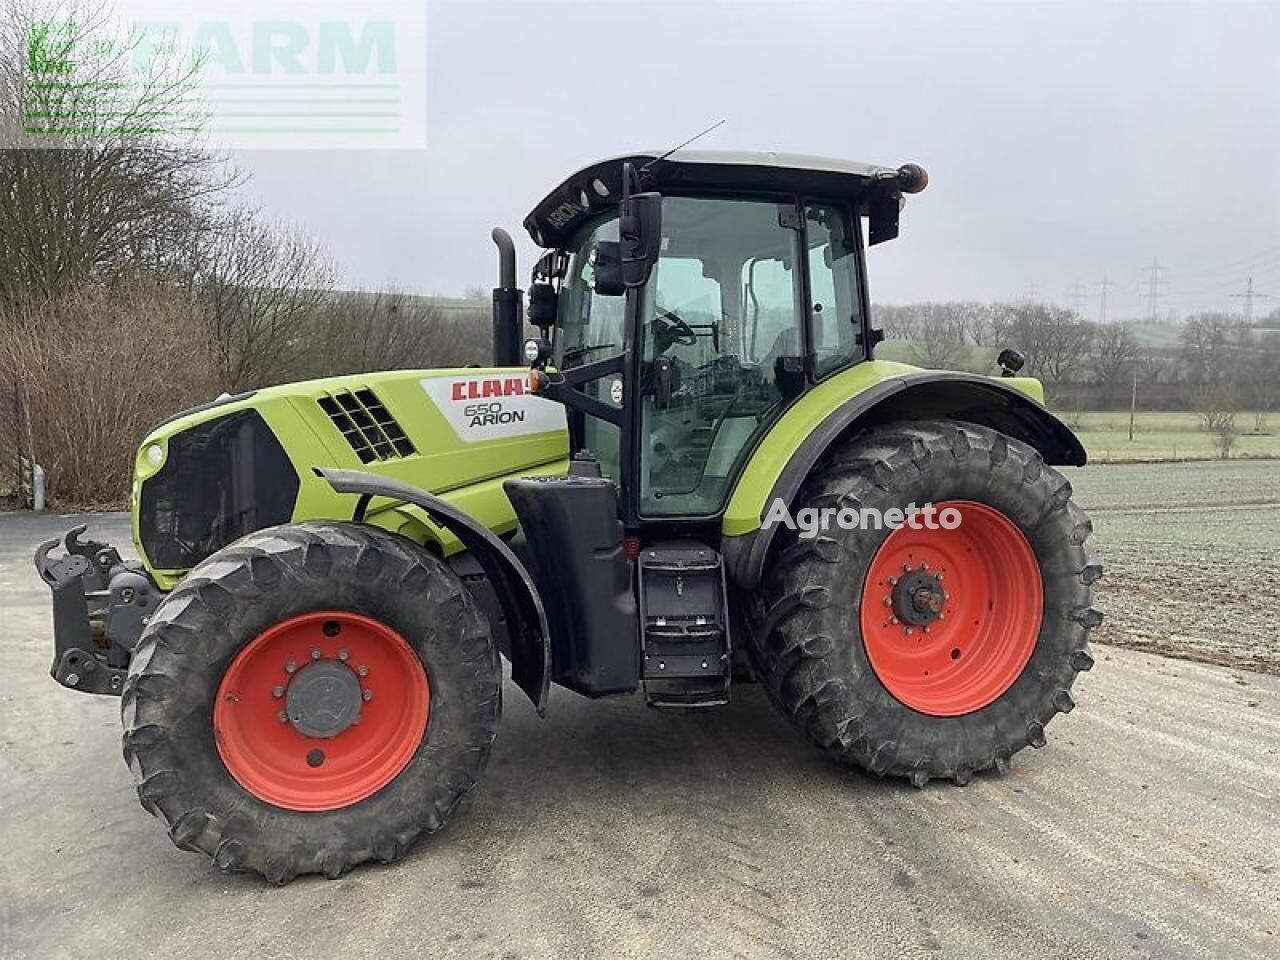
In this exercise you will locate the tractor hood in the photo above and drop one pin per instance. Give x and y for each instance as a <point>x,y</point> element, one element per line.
<point>215,473</point>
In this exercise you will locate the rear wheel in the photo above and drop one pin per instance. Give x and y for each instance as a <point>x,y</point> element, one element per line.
<point>930,650</point>
<point>309,698</point>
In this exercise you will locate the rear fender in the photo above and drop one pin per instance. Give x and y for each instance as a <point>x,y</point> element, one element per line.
<point>926,395</point>
<point>521,606</point>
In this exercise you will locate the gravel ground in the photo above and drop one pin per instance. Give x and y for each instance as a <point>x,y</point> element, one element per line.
<point>1192,557</point>
<point>1147,828</point>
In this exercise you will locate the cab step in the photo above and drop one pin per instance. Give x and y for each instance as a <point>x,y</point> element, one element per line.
<point>685,625</point>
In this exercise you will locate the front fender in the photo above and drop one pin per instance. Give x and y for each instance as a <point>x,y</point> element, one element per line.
<point>521,605</point>
<point>885,392</point>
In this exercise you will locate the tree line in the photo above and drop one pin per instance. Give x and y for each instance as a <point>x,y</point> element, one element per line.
<point>1214,364</point>
<point>134,282</point>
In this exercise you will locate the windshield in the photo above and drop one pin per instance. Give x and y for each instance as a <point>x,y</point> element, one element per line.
<point>724,345</point>
<point>590,326</point>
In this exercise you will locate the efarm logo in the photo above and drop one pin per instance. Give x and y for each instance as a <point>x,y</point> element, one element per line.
<point>464,390</point>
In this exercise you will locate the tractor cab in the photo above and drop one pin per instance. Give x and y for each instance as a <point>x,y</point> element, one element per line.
<point>684,305</point>
<point>685,302</point>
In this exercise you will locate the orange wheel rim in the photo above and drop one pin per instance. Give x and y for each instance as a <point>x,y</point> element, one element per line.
<point>950,617</point>
<point>321,711</point>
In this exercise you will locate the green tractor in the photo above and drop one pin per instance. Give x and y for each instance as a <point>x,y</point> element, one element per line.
<point>699,472</point>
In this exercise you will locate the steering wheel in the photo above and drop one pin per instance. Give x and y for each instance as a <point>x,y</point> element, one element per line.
<point>672,330</point>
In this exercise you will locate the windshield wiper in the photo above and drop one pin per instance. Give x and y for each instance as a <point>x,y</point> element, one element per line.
<point>579,352</point>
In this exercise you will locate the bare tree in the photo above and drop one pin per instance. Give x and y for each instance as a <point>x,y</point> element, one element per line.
<point>1113,360</point>
<point>938,334</point>
<point>92,184</point>
<point>1056,342</point>
<point>939,338</point>
<point>92,396</point>
<point>257,285</point>
<point>1209,350</point>
<point>1218,405</point>
<point>360,332</point>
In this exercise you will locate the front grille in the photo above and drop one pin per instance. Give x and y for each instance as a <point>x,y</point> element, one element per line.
<point>221,480</point>
<point>366,425</point>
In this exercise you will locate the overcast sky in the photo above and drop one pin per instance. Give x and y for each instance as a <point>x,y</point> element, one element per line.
<point>1063,140</point>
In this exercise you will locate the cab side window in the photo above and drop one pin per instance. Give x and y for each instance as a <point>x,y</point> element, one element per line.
<point>835,308</point>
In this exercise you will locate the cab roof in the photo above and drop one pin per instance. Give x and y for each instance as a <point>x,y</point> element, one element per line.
<point>599,186</point>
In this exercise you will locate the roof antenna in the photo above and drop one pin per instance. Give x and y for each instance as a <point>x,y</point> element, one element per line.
<point>696,136</point>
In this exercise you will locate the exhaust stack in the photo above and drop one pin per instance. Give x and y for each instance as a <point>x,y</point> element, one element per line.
<point>508,302</point>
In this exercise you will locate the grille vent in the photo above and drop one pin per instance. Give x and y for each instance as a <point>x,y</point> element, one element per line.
<point>366,425</point>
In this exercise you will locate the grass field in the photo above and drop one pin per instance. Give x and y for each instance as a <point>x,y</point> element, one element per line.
<point>1167,436</point>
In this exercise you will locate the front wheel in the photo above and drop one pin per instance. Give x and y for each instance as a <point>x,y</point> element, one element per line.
<point>935,649</point>
<point>309,698</point>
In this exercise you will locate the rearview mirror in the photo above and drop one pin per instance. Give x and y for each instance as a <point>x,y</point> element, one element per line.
<point>640,227</point>
<point>606,269</point>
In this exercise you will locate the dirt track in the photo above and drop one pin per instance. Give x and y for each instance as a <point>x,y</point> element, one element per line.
<point>1147,828</point>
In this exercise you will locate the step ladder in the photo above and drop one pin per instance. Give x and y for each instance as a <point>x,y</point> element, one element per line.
<point>684,620</point>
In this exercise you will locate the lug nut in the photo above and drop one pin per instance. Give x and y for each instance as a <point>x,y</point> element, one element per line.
<point>888,601</point>
<point>367,696</point>
<point>893,620</point>
<point>315,653</point>
<point>290,667</point>
<point>908,631</point>
<point>893,581</point>
<point>343,655</point>
<point>924,566</point>
<point>277,691</point>
<point>362,670</point>
<point>282,717</point>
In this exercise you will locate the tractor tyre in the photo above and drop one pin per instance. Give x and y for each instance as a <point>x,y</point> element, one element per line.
<point>929,653</point>
<point>309,698</point>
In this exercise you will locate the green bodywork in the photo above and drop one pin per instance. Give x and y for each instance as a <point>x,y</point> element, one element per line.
<point>469,474</point>
<point>751,493</point>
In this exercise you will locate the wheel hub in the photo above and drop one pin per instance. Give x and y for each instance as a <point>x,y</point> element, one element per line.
<point>918,598</point>
<point>323,699</point>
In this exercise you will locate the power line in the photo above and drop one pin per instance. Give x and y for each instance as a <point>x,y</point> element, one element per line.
<point>1219,288</point>
<point>1104,283</point>
<point>1075,296</point>
<point>1249,295</point>
<point>1155,288</point>
<point>1200,272</point>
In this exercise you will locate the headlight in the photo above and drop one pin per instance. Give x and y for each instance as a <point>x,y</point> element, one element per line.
<point>536,351</point>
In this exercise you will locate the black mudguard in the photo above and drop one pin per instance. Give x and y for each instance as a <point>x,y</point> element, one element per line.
<point>526,619</point>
